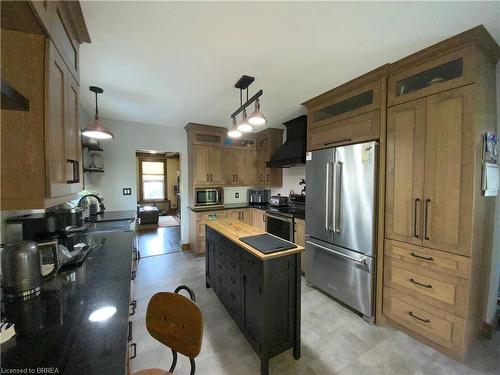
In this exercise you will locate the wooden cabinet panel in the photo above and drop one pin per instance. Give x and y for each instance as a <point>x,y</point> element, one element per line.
<point>259,219</point>
<point>437,75</point>
<point>440,290</point>
<point>234,167</point>
<point>429,259</point>
<point>215,165</point>
<point>449,171</point>
<point>436,325</point>
<point>72,133</point>
<point>352,130</point>
<point>300,239</point>
<point>405,172</point>
<point>201,175</point>
<point>250,168</point>
<point>58,170</point>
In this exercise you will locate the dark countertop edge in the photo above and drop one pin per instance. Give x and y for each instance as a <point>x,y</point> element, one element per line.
<point>114,216</point>
<point>229,206</point>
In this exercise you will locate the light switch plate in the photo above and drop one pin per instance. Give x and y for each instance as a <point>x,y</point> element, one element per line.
<point>236,195</point>
<point>127,191</point>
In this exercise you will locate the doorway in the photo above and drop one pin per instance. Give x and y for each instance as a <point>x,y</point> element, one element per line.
<point>158,202</point>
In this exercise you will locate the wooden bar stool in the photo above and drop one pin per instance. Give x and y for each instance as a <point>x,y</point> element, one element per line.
<point>176,322</point>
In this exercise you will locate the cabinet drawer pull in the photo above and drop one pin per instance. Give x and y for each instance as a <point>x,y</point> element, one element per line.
<point>417,201</point>
<point>430,259</point>
<point>427,321</point>
<point>134,346</point>
<point>340,140</point>
<point>428,286</point>
<point>232,279</point>
<point>426,235</point>
<point>130,331</point>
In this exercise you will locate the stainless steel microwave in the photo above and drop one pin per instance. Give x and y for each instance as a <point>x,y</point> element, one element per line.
<point>209,196</point>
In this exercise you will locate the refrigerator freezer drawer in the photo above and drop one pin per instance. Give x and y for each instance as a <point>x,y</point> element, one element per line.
<point>345,275</point>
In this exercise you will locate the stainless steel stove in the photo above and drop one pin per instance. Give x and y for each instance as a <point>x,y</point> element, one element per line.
<point>280,219</point>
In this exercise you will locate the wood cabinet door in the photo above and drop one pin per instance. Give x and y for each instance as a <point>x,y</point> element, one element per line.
<point>56,116</point>
<point>251,169</point>
<point>405,171</point>
<point>449,171</point>
<point>72,133</point>
<point>215,165</point>
<point>228,167</point>
<point>261,167</point>
<point>201,175</point>
<point>259,219</point>
<point>252,301</point>
<point>247,216</point>
<point>240,167</point>
<point>234,214</point>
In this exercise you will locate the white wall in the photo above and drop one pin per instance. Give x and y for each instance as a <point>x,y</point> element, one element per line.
<point>291,178</point>
<point>120,164</point>
<point>495,254</point>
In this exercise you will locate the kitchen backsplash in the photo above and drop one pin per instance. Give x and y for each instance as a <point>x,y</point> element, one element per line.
<point>291,179</point>
<point>230,192</point>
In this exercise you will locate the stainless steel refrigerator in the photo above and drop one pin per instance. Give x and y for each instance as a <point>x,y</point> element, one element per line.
<point>340,223</point>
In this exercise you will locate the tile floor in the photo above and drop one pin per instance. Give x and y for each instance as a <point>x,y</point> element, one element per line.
<point>334,340</point>
<point>159,241</point>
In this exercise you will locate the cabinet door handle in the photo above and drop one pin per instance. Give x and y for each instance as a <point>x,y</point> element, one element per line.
<point>211,178</point>
<point>134,346</point>
<point>74,171</point>
<point>208,177</point>
<point>416,317</point>
<point>428,286</point>
<point>236,177</point>
<point>430,259</point>
<point>426,235</point>
<point>130,331</point>
<point>417,201</point>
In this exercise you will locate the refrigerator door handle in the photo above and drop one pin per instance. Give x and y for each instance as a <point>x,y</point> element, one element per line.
<point>360,261</point>
<point>334,203</point>
<point>327,197</point>
<point>337,197</point>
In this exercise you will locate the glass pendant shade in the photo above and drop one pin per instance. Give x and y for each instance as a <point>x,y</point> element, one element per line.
<point>244,126</point>
<point>257,118</point>
<point>234,132</point>
<point>97,130</point>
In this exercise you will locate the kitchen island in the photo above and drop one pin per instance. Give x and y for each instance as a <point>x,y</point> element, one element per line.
<point>260,291</point>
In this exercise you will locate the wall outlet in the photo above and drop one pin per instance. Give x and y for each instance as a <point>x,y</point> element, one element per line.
<point>236,195</point>
<point>127,191</point>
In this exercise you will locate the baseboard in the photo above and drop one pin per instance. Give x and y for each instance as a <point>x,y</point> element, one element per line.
<point>489,328</point>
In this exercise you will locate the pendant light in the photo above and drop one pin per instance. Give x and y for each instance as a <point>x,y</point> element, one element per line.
<point>244,126</point>
<point>257,118</point>
<point>234,132</point>
<point>96,129</point>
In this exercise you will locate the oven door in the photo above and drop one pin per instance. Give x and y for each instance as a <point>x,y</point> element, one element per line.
<point>208,197</point>
<point>280,226</point>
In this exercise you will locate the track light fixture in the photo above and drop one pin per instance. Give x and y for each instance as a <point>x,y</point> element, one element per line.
<point>257,118</point>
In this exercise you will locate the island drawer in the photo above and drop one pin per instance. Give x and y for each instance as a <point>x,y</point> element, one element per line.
<point>438,289</point>
<point>434,324</point>
<point>429,259</point>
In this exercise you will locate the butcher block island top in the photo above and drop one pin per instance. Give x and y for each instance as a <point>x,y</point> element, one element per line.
<point>235,229</point>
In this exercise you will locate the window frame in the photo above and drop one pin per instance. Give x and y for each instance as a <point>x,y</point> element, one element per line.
<point>152,158</point>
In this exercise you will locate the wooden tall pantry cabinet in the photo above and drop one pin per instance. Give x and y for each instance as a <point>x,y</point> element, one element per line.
<point>438,225</point>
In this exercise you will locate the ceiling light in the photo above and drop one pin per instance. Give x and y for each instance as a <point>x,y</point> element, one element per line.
<point>234,132</point>
<point>244,126</point>
<point>257,118</point>
<point>96,129</point>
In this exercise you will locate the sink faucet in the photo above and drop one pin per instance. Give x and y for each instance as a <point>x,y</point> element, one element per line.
<point>96,196</point>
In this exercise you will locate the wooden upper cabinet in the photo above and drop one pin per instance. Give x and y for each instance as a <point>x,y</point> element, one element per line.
<point>333,106</point>
<point>250,169</point>
<point>405,171</point>
<point>233,166</point>
<point>58,169</point>
<point>72,134</point>
<point>207,166</point>
<point>440,74</point>
<point>449,171</point>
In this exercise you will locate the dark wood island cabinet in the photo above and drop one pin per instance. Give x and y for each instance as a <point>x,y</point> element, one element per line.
<point>261,292</point>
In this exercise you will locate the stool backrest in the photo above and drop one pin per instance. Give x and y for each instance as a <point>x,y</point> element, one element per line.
<point>176,322</point>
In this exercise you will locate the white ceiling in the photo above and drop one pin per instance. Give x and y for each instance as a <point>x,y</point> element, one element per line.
<point>172,63</point>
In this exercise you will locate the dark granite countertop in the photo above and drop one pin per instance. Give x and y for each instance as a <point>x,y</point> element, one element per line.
<point>54,329</point>
<point>229,206</point>
<point>114,216</point>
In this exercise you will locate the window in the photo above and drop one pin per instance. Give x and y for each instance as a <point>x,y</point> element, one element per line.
<point>152,179</point>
